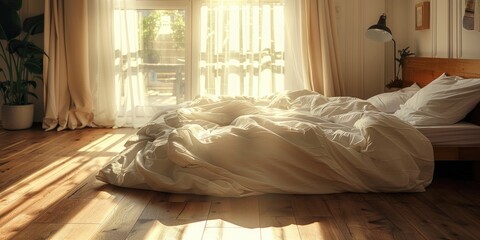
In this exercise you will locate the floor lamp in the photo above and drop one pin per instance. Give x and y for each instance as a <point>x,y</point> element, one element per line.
<point>381,33</point>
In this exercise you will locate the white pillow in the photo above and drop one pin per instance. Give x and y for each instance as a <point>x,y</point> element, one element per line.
<point>446,100</point>
<point>390,102</point>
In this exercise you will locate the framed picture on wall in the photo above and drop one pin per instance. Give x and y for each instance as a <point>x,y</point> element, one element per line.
<point>422,16</point>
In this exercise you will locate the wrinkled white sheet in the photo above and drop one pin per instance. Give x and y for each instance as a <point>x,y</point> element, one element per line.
<point>297,142</point>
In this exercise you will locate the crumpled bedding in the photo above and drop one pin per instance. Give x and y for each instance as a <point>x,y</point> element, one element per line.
<point>298,142</point>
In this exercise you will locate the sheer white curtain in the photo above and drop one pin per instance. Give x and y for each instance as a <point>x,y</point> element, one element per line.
<point>118,84</point>
<point>101,65</point>
<point>243,47</point>
<point>296,54</point>
<point>131,99</point>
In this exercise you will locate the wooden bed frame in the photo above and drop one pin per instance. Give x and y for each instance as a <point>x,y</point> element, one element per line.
<point>422,71</point>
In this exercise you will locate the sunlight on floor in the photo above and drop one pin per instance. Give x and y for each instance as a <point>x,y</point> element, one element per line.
<point>104,144</point>
<point>26,198</point>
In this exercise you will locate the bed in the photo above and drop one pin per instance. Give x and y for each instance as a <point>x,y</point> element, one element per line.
<point>460,141</point>
<point>297,142</point>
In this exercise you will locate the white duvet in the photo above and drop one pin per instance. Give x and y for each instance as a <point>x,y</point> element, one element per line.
<point>298,142</point>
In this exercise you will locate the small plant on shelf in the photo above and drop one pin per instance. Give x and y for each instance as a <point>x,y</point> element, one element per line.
<point>397,82</point>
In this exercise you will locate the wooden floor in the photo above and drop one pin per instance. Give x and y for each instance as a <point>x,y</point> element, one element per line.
<point>48,190</point>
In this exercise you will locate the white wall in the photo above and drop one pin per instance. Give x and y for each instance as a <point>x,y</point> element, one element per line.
<point>465,43</point>
<point>367,66</point>
<point>435,41</point>
<point>446,36</point>
<point>362,60</point>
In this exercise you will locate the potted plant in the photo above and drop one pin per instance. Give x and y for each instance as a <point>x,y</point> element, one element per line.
<point>397,82</point>
<point>21,64</point>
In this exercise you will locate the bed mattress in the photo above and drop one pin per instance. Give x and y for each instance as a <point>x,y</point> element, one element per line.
<point>459,134</point>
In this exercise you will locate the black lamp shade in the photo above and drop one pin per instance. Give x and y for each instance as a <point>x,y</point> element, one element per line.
<point>380,32</point>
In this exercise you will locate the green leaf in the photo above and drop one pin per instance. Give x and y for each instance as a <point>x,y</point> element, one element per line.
<point>9,20</point>
<point>14,4</point>
<point>14,45</point>
<point>32,83</point>
<point>33,95</point>
<point>38,77</point>
<point>35,50</point>
<point>3,35</point>
<point>34,65</point>
<point>34,25</point>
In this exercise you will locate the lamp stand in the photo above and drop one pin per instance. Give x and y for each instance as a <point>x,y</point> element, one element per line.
<point>394,60</point>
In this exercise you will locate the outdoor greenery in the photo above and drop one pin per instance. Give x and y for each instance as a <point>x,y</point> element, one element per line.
<point>21,61</point>
<point>178,28</point>
<point>150,26</point>
<point>149,30</point>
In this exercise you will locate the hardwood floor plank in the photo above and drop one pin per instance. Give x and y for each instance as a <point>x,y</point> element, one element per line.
<point>234,212</point>
<point>277,219</point>
<point>188,198</point>
<point>279,228</point>
<point>42,231</point>
<point>316,228</point>
<point>310,206</point>
<point>429,220</point>
<point>24,211</point>
<point>400,229</point>
<point>21,160</point>
<point>26,141</point>
<point>163,210</point>
<point>170,229</point>
<point>195,211</point>
<point>275,205</point>
<point>50,162</point>
<point>48,188</point>
<point>93,188</point>
<point>459,209</point>
<point>79,211</point>
<point>231,234</point>
<point>360,220</point>
<point>469,190</point>
<point>126,214</point>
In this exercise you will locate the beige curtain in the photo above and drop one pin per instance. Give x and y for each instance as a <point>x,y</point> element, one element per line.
<point>321,57</point>
<point>68,100</point>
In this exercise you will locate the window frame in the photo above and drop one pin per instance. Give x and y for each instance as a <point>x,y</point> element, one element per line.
<point>185,5</point>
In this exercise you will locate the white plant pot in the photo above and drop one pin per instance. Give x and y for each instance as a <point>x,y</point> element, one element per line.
<point>16,117</point>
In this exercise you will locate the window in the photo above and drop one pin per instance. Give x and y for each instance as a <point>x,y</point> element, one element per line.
<point>151,55</point>
<point>162,48</point>
<point>167,53</point>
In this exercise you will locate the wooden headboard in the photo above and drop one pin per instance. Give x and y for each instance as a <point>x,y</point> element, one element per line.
<point>422,70</point>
